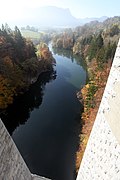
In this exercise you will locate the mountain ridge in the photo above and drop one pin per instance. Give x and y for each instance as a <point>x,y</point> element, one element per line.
<point>52,16</point>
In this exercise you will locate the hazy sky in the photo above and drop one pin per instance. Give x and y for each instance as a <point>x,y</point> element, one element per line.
<point>15,9</point>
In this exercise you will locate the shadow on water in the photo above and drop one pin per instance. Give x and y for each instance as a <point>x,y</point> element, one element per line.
<point>48,141</point>
<point>50,152</point>
<point>54,138</point>
<point>19,112</point>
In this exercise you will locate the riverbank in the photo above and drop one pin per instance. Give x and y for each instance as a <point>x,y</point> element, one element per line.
<point>47,116</point>
<point>91,95</point>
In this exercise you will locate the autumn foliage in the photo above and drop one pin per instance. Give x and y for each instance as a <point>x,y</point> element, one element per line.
<point>19,64</point>
<point>91,95</point>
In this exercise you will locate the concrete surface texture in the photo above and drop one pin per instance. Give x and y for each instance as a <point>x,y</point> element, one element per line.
<point>101,160</point>
<point>12,165</point>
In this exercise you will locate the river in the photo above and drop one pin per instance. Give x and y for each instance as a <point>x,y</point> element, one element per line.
<point>45,121</point>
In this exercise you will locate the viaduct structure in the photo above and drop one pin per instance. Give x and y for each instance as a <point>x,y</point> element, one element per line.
<point>12,165</point>
<point>101,160</point>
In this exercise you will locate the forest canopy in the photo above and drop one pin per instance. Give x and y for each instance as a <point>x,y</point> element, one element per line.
<point>19,64</point>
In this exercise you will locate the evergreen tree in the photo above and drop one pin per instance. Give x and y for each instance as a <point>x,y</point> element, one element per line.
<point>99,41</point>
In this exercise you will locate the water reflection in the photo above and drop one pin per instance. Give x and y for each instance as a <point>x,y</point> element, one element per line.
<point>19,112</point>
<point>69,54</point>
<point>49,139</point>
<point>63,52</point>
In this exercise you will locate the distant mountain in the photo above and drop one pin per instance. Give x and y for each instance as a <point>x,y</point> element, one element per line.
<point>51,16</point>
<point>54,16</point>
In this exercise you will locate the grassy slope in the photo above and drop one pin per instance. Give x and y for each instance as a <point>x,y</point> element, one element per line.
<point>31,34</point>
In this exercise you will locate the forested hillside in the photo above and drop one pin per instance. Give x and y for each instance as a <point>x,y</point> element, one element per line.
<point>82,37</point>
<point>96,42</point>
<point>19,64</point>
<point>98,49</point>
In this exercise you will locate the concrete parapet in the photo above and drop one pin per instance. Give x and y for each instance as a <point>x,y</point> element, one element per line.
<point>12,165</point>
<point>101,160</point>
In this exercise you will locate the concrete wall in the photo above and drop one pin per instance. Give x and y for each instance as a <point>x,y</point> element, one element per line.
<point>101,160</point>
<point>12,165</point>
